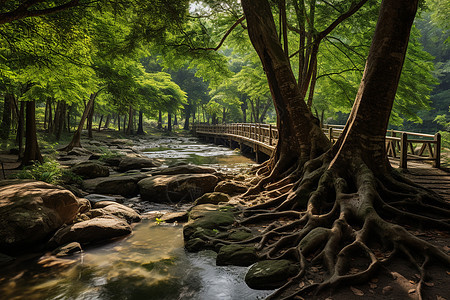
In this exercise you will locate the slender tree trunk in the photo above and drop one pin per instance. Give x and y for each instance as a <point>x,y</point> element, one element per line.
<point>130,129</point>
<point>20,129</point>
<point>6,119</point>
<point>140,129</point>
<point>118,121</point>
<point>224,115</point>
<point>50,116</point>
<point>159,120</point>
<point>90,120</point>
<point>69,112</point>
<point>187,116</point>
<point>76,139</point>
<point>175,120</point>
<point>107,122</point>
<point>32,151</point>
<point>169,122</point>
<point>100,123</point>
<point>244,110</point>
<point>125,123</point>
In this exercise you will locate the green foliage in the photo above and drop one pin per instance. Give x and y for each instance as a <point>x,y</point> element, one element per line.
<point>49,171</point>
<point>445,134</point>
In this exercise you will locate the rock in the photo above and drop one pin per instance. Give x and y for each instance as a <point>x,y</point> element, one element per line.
<point>5,259</point>
<point>67,250</point>
<point>239,235</point>
<point>121,142</point>
<point>137,163</point>
<point>185,169</point>
<point>212,198</point>
<point>90,169</point>
<point>115,209</point>
<point>182,216</point>
<point>176,188</point>
<point>207,217</point>
<point>84,205</point>
<point>270,274</point>
<point>95,198</point>
<point>230,187</point>
<point>76,191</point>
<point>94,230</point>
<point>77,151</point>
<point>236,255</point>
<point>124,185</point>
<point>112,161</point>
<point>195,245</point>
<point>32,210</point>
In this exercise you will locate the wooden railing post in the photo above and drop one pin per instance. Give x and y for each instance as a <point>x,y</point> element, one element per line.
<point>437,151</point>
<point>404,150</point>
<point>270,135</point>
<point>330,133</point>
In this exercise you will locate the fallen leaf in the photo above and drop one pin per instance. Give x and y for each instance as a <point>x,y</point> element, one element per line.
<point>428,283</point>
<point>374,280</point>
<point>417,275</point>
<point>311,281</point>
<point>448,272</point>
<point>357,292</point>
<point>302,284</point>
<point>412,282</point>
<point>373,285</point>
<point>354,270</point>
<point>314,269</point>
<point>329,298</point>
<point>446,248</point>
<point>440,298</point>
<point>411,291</point>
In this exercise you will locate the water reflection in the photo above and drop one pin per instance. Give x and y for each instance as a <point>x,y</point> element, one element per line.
<point>149,264</point>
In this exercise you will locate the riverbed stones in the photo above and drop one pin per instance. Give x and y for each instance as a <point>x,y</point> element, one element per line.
<point>231,188</point>
<point>236,255</point>
<point>95,198</point>
<point>78,151</point>
<point>270,274</point>
<point>181,216</point>
<point>114,209</point>
<point>124,185</point>
<point>185,169</point>
<point>176,188</point>
<point>90,169</point>
<point>212,198</point>
<point>32,210</point>
<point>67,250</point>
<point>91,231</point>
<point>136,163</point>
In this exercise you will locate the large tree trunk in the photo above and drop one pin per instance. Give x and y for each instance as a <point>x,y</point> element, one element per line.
<point>130,129</point>
<point>76,139</point>
<point>90,121</point>
<point>169,122</point>
<point>159,120</point>
<point>32,151</point>
<point>6,120</point>
<point>300,137</point>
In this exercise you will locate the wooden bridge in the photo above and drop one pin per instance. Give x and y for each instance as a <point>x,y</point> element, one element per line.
<point>262,139</point>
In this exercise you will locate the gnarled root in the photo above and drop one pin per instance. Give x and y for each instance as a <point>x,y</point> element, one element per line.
<point>347,223</point>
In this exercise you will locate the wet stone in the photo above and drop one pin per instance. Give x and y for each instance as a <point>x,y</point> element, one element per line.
<point>236,255</point>
<point>270,274</point>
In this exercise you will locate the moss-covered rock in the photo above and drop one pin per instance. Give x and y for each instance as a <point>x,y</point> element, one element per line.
<point>236,255</point>
<point>270,274</point>
<point>239,235</point>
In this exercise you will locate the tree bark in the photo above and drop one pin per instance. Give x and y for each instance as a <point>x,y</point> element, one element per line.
<point>140,129</point>
<point>130,129</point>
<point>20,129</point>
<point>100,123</point>
<point>159,120</point>
<point>32,151</point>
<point>300,136</point>
<point>6,119</point>
<point>90,120</point>
<point>187,115</point>
<point>169,122</point>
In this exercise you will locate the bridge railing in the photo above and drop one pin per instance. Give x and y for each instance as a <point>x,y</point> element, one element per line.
<point>399,144</point>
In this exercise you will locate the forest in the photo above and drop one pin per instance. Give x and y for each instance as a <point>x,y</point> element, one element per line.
<point>74,68</point>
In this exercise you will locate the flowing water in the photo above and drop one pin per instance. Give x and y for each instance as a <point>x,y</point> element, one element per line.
<point>151,263</point>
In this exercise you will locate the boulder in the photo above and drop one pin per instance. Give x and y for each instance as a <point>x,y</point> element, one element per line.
<point>67,250</point>
<point>121,142</point>
<point>207,217</point>
<point>94,230</point>
<point>236,255</point>
<point>137,163</point>
<point>212,198</point>
<point>270,274</point>
<point>185,169</point>
<point>30,211</point>
<point>77,151</point>
<point>90,169</point>
<point>231,188</point>
<point>114,209</point>
<point>176,188</point>
<point>124,185</point>
<point>182,216</point>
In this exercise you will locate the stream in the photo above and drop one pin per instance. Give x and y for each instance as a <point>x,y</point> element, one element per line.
<point>151,263</point>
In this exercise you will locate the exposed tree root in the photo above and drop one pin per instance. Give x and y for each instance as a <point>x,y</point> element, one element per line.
<point>348,222</point>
